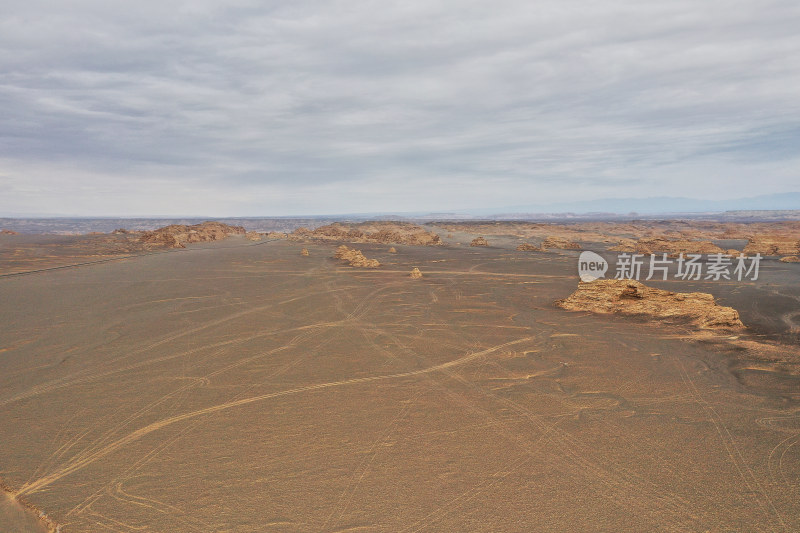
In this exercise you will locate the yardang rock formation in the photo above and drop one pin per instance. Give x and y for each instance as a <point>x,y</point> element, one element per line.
<point>379,232</point>
<point>355,258</point>
<point>630,297</point>
<point>560,243</point>
<point>178,235</point>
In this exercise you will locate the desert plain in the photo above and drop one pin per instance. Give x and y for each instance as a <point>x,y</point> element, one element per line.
<point>239,385</point>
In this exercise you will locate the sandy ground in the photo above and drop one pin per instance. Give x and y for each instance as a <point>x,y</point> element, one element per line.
<point>14,517</point>
<point>242,387</point>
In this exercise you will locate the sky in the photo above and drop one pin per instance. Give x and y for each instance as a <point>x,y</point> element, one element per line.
<point>263,108</point>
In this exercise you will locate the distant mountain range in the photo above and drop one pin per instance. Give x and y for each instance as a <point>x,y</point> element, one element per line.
<point>768,207</point>
<point>654,205</point>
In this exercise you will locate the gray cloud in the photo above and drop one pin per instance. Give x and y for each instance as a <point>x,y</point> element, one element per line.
<point>254,108</point>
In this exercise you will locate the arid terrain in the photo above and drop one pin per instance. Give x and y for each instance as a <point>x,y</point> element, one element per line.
<point>240,385</point>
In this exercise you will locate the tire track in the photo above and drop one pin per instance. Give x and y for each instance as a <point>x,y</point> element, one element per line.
<point>66,382</point>
<point>155,426</point>
<point>746,473</point>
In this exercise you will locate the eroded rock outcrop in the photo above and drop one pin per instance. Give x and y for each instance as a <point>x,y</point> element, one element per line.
<point>253,236</point>
<point>630,297</point>
<point>378,232</point>
<point>772,245</point>
<point>560,243</point>
<point>479,241</point>
<point>633,230</point>
<point>178,235</point>
<point>673,247</point>
<point>355,257</point>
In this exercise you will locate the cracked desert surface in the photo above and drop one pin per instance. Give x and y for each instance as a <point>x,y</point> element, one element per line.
<point>240,386</point>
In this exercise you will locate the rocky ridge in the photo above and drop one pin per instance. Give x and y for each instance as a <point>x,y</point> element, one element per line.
<point>767,244</point>
<point>673,247</point>
<point>367,232</point>
<point>179,235</point>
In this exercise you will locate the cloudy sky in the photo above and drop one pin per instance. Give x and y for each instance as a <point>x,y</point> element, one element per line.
<point>297,107</point>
